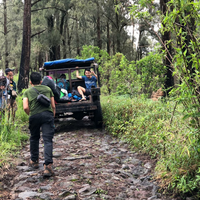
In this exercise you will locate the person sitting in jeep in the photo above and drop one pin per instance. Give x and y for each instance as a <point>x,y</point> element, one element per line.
<point>90,81</point>
<point>62,82</point>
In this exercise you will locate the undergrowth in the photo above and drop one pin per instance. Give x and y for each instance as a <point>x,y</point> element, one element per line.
<point>11,134</point>
<point>158,128</point>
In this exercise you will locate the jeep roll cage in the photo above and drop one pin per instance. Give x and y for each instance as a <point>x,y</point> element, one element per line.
<point>91,107</point>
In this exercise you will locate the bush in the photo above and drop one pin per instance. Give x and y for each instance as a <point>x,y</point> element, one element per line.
<point>121,76</point>
<point>157,128</point>
<point>11,134</point>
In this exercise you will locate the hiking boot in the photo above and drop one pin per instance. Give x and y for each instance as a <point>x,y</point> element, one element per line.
<point>34,165</point>
<point>48,171</point>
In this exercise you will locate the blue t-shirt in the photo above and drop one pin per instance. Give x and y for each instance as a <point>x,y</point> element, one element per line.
<point>89,82</point>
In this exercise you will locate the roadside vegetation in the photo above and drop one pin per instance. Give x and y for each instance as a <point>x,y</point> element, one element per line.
<point>158,129</point>
<point>12,135</point>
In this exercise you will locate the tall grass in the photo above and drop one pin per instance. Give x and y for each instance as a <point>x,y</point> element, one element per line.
<point>158,128</point>
<point>11,134</point>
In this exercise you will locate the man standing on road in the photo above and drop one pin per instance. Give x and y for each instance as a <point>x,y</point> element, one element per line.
<point>40,117</point>
<point>90,81</point>
<point>12,94</point>
<point>9,73</point>
<point>3,82</point>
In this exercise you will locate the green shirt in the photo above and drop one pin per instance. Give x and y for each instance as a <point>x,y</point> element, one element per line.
<point>31,94</point>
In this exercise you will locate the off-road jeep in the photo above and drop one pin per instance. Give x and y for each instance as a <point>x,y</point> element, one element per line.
<point>79,109</point>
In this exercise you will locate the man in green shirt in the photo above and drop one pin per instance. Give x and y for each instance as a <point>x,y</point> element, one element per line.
<point>40,117</point>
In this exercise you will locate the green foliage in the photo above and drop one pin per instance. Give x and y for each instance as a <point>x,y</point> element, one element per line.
<point>14,34</point>
<point>11,134</point>
<point>180,170</point>
<point>120,76</point>
<point>186,58</point>
<point>154,128</point>
<point>21,116</point>
<point>101,56</point>
<point>151,72</point>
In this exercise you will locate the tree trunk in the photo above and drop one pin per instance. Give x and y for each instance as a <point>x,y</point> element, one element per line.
<point>52,53</point>
<point>50,24</point>
<point>52,49</point>
<point>132,39</point>
<point>169,83</point>
<point>69,40</point>
<point>113,45</point>
<point>64,40</point>
<point>118,33</point>
<point>99,44</point>
<point>108,38</point>
<point>40,59</point>
<point>138,52</point>
<point>26,45</point>
<point>5,33</point>
<point>58,26</point>
<point>77,38</point>
<point>63,28</point>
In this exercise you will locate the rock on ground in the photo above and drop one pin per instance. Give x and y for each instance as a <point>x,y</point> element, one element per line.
<point>89,164</point>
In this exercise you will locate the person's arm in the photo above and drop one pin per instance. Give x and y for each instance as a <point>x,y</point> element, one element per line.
<point>77,74</point>
<point>26,105</point>
<point>94,74</point>
<point>53,106</point>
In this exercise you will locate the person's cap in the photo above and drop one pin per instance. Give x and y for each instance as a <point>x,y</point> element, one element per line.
<point>8,70</point>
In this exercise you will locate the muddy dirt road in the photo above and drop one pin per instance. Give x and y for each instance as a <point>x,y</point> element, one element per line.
<point>89,164</point>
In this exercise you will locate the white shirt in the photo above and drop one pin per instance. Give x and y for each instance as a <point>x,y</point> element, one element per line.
<point>6,87</point>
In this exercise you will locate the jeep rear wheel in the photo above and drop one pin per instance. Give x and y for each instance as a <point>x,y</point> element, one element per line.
<point>78,116</point>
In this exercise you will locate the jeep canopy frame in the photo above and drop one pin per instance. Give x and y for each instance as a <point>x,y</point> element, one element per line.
<point>68,66</point>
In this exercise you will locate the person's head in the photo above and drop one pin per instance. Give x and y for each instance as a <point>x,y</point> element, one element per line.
<point>2,87</point>
<point>88,73</point>
<point>9,73</point>
<point>63,76</point>
<point>36,78</point>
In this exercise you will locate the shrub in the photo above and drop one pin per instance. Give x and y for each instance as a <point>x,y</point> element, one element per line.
<point>11,134</point>
<point>157,128</point>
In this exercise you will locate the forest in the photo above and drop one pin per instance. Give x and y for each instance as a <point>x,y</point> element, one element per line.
<point>140,46</point>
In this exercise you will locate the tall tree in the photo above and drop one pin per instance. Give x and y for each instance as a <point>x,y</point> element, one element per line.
<point>99,43</point>
<point>77,38</point>
<point>5,33</point>
<point>26,46</point>
<point>108,38</point>
<point>166,36</point>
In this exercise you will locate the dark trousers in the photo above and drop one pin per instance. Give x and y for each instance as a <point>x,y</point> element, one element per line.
<point>46,121</point>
